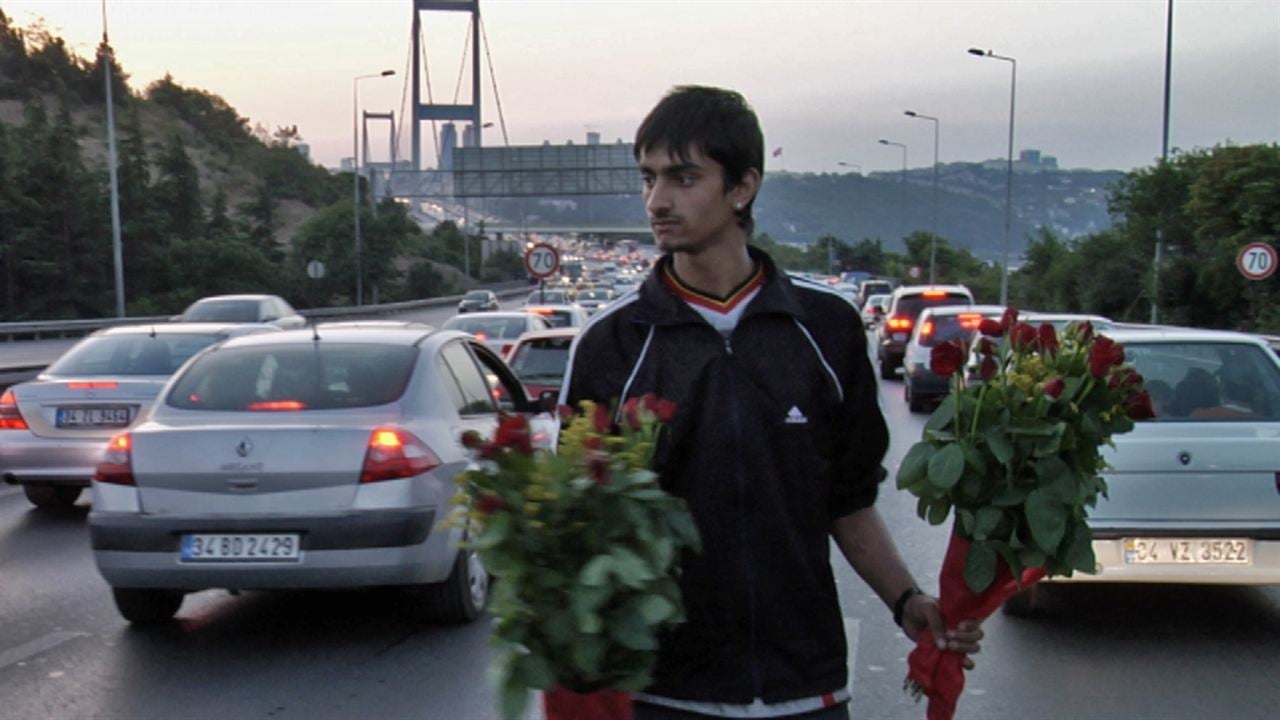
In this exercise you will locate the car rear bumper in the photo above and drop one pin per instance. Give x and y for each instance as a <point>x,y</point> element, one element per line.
<point>1112,565</point>
<point>357,549</point>
<point>25,458</point>
<point>926,384</point>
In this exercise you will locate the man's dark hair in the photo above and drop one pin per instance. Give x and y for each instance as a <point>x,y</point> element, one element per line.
<point>718,122</point>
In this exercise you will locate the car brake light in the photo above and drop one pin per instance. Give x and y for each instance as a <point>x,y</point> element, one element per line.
<point>969,321</point>
<point>481,335</point>
<point>95,385</point>
<point>277,405</point>
<point>934,293</point>
<point>116,466</point>
<point>506,349</point>
<point>899,322</point>
<point>394,453</point>
<point>541,311</point>
<point>10,416</point>
<point>926,329</point>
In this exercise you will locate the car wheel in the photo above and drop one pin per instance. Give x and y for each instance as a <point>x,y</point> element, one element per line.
<point>887,371</point>
<point>145,606</point>
<point>52,496</point>
<point>1026,603</point>
<point>914,402</point>
<point>464,594</point>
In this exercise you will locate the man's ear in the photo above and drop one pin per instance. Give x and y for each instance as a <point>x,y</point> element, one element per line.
<point>745,191</point>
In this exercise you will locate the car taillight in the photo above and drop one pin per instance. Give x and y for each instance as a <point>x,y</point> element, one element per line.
<point>395,453</point>
<point>481,335</point>
<point>506,348</point>
<point>899,322</point>
<point>934,293</point>
<point>969,321</point>
<point>926,329</point>
<point>94,385</point>
<point>277,405</point>
<point>116,466</point>
<point>10,416</point>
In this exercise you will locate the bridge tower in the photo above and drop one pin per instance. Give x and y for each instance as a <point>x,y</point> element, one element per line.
<point>469,112</point>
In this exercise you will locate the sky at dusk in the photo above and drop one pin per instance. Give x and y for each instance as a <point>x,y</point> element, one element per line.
<point>828,79</point>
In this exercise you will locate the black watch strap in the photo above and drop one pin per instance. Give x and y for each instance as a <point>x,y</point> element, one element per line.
<point>900,604</point>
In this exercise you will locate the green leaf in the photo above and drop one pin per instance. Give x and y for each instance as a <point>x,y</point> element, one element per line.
<point>914,468</point>
<point>938,511</point>
<point>974,458</point>
<point>1047,519</point>
<point>946,466</point>
<point>630,568</point>
<point>1057,480</point>
<point>587,654</point>
<point>966,521</point>
<point>998,442</point>
<point>943,415</point>
<point>985,521</point>
<point>631,632</point>
<point>1080,554</point>
<point>596,572</point>
<point>980,566</point>
<point>1010,495</point>
<point>654,608</point>
<point>532,670</point>
<point>514,698</point>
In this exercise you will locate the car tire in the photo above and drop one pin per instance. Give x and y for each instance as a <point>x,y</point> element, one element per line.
<point>52,496</point>
<point>887,371</point>
<point>914,402</point>
<point>147,606</point>
<point>463,596</point>
<point>1026,603</point>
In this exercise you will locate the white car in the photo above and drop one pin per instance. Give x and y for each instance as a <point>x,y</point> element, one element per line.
<point>499,330</point>
<point>315,458</point>
<point>560,315</point>
<point>873,311</point>
<point>1193,496</point>
<point>267,309</point>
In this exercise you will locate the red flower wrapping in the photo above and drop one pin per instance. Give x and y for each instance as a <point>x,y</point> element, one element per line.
<point>561,704</point>
<point>940,674</point>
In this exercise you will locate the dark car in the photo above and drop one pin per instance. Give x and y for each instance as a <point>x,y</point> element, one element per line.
<point>478,301</point>
<point>266,309</point>
<point>904,307</point>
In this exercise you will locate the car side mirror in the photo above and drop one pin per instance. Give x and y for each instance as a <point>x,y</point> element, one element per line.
<point>549,400</point>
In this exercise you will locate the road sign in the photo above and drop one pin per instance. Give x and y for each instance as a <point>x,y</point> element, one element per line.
<point>1257,261</point>
<point>315,269</point>
<point>542,260</point>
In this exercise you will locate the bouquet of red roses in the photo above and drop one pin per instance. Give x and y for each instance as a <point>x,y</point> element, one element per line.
<point>1014,452</point>
<point>584,547</point>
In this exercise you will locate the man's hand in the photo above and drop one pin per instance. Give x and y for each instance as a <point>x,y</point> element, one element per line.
<point>922,613</point>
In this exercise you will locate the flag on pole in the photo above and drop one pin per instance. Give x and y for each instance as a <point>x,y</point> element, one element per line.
<point>777,152</point>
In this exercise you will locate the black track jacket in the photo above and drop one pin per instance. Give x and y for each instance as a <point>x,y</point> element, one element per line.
<point>777,432</point>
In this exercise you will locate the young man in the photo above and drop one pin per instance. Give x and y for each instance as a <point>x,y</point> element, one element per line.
<point>777,439</point>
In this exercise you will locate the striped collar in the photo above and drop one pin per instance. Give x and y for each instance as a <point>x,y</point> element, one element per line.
<point>722,305</point>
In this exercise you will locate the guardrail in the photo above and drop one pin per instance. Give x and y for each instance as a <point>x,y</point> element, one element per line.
<point>47,329</point>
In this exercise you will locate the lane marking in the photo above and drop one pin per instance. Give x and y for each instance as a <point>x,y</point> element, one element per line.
<point>12,656</point>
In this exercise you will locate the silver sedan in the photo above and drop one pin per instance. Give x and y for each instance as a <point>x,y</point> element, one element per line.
<point>304,459</point>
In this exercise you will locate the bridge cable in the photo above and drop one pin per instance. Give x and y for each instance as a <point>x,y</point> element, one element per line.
<point>493,78</point>
<point>426,70</point>
<point>466,47</point>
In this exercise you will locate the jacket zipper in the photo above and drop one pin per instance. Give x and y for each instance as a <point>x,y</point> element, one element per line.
<point>757,685</point>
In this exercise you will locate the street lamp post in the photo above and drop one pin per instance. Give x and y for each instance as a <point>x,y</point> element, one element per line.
<point>355,175</point>
<point>933,243</point>
<point>1008,192</point>
<point>902,181</point>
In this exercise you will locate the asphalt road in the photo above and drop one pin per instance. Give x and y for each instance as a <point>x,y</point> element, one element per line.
<point>1129,652</point>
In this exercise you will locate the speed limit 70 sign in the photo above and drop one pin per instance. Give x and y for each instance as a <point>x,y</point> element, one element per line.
<point>1257,261</point>
<point>542,260</point>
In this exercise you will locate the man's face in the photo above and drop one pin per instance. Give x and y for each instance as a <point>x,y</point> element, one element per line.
<point>689,207</point>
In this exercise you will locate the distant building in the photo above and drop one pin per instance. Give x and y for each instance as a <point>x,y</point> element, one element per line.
<point>304,150</point>
<point>1029,161</point>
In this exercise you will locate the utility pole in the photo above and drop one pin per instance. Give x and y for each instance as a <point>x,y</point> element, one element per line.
<point>117,248</point>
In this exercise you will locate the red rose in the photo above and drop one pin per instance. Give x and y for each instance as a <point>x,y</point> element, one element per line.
<point>946,358</point>
<point>598,467</point>
<point>489,504</point>
<point>1022,336</point>
<point>666,411</point>
<point>650,402</point>
<point>990,327</point>
<point>988,369</point>
<point>513,432</point>
<point>1008,319</point>
<point>1104,353</point>
<point>986,347</point>
<point>600,420</point>
<point>1139,407</point>
<point>1127,377</point>
<point>1047,338</point>
<point>472,440</point>
<point>1053,388</point>
<point>1085,330</point>
<point>631,411</point>
<point>593,442</point>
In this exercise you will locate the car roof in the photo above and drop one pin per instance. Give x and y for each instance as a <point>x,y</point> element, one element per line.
<point>919,289</point>
<point>503,314</point>
<point>242,296</point>
<point>533,309</point>
<point>408,334</point>
<point>559,332</point>
<point>1159,333</point>
<point>1034,315</point>
<point>174,328</point>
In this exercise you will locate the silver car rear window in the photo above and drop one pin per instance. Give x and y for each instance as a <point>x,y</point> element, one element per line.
<point>1208,382</point>
<point>223,311</point>
<point>131,354</point>
<point>319,376</point>
<point>499,328</point>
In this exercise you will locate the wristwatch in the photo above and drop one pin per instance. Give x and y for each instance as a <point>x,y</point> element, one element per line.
<point>900,604</point>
